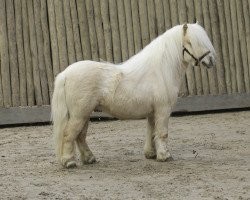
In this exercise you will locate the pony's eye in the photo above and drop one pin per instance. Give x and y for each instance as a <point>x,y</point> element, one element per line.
<point>189,43</point>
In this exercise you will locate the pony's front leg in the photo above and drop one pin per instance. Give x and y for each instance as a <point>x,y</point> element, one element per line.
<point>161,134</point>
<point>149,148</point>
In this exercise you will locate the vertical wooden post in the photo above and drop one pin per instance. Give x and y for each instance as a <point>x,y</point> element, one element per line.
<point>239,71</point>
<point>187,87</point>
<point>243,43</point>
<point>84,29</point>
<point>13,53</point>
<point>204,75</point>
<point>230,45</point>
<point>61,35</point>
<point>174,12</point>
<point>123,29</point>
<point>75,24</point>
<point>27,53</point>
<point>53,37</point>
<point>20,52</point>
<point>115,31</point>
<point>159,16</point>
<point>144,22</point>
<point>217,45</point>
<point>136,26</point>
<point>92,30</point>
<point>41,62</point>
<point>5,70</point>
<point>46,47</point>
<point>213,82</point>
<point>33,48</point>
<point>246,11</point>
<point>129,23</point>
<point>152,19</point>
<point>224,46</point>
<point>99,30</point>
<point>167,14</point>
<point>195,73</point>
<point>69,31</point>
<point>107,30</point>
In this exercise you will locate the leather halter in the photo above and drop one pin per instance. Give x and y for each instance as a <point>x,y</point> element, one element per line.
<point>197,60</point>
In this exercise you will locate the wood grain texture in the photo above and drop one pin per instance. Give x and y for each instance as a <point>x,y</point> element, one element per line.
<point>246,12</point>
<point>212,77</point>
<point>115,31</point>
<point>34,55</point>
<point>136,26</point>
<point>243,43</point>
<point>20,53</point>
<point>224,45</point>
<point>53,37</point>
<point>99,30</point>
<point>160,22</point>
<point>230,43</point>
<point>27,54</point>
<point>61,35</point>
<point>129,25</point>
<point>92,30</point>
<point>76,31</point>
<point>4,52</point>
<point>46,47</point>
<point>69,32</point>
<point>151,19</point>
<point>237,57</point>
<point>195,72</point>
<point>167,14</point>
<point>204,75</point>
<point>144,22</point>
<point>84,29</point>
<point>107,30</point>
<point>15,90</point>
<point>122,29</point>
<point>40,51</point>
<point>220,70</point>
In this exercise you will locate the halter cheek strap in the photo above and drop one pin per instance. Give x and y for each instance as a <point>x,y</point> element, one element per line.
<point>197,60</point>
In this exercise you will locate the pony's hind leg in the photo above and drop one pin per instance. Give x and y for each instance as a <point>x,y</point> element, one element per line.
<point>149,148</point>
<point>87,156</point>
<point>72,130</point>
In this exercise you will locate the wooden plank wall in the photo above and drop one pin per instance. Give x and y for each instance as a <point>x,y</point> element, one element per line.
<point>38,39</point>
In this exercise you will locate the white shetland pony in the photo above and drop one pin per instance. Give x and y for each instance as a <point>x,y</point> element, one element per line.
<point>146,85</point>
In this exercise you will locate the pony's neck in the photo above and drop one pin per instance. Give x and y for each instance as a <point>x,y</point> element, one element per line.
<point>163,57</point>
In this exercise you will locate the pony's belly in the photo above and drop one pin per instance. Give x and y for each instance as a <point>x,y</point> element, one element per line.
<point>126,113</point>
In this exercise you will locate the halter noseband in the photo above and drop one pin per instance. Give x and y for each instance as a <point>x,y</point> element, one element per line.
<point>197,60</point>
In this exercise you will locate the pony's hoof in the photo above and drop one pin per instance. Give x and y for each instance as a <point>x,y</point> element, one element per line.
<point>164,156</point>
<point>150,155</point>
<point>70,164</point>
<point>89,160</point>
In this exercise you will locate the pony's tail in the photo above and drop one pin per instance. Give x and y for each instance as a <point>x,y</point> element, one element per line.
<point>59,112</point>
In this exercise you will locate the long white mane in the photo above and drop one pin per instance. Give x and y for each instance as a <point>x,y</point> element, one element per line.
<point>164,54</point>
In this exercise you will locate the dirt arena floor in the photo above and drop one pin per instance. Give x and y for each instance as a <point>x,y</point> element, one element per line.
<point>211,161</point>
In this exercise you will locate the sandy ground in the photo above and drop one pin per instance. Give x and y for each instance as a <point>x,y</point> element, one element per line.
<point>211,161</point>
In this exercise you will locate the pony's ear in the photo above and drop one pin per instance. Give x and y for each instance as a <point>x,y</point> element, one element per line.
<point>185,27</point>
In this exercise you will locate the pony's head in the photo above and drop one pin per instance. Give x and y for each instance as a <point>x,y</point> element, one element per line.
<point>197,48</point>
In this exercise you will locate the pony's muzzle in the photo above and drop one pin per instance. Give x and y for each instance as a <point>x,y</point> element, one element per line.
<point>210,63</point>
